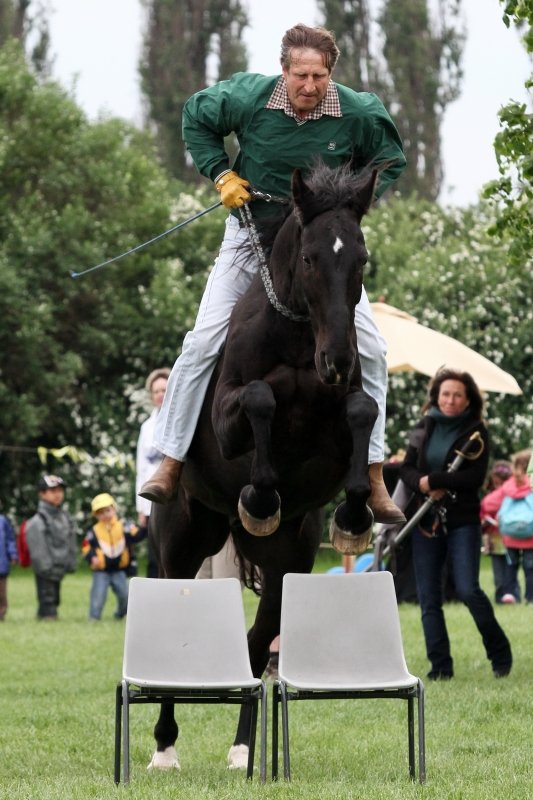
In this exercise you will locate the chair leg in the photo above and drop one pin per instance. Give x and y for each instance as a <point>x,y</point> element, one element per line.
<point>252,738</point>
<point>263,754</point>
<point>411,736</point>
<point>118,731</point>
<point>126,731</point>
<point>421,734</point>
<point>275,731</point>
<point>285,731</point>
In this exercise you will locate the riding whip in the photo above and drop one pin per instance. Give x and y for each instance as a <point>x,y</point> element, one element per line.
<point>145,244</point>
<point>256,194</point>
<point>468,452</point>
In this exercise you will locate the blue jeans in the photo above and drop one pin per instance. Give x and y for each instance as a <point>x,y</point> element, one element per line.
<point>462,548</point>
<point>526,556</point>
<point>505,581</point>
<point>101,582</point>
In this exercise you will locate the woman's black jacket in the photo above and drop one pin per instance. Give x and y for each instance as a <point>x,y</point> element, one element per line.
<point>463,507</point>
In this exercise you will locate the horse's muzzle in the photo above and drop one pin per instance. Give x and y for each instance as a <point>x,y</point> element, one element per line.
<point>334,371</point>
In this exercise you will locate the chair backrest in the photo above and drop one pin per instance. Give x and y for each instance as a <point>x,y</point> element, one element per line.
<point>341,631</point>
<point>186,633</point>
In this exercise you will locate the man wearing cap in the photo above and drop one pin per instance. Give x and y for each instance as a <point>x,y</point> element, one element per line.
<point>51,537</point>
<point>107,549</point>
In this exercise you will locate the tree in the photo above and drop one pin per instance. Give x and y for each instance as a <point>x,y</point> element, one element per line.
<point>444,268</point>
<point>413,62</point>
<point>350,20</point>
<point>71,194</point>
<point>512,193</point>
<point>17,22</point>
<point>186,40</point>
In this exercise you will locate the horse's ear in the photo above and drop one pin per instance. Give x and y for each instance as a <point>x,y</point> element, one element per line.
<point>366,192</point>
<point>301,194</point>
<point>369,181</point>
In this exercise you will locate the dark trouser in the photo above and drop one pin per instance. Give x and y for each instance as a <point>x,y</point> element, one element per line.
<point>524,555</point>
<point>48,596</point>
<point>462,547</point>
<point>3,596</point>
<point>505,582</point>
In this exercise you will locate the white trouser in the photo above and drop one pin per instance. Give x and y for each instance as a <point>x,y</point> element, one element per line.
<point>230,277</point>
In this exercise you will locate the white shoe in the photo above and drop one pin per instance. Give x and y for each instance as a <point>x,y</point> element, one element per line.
<point>509,599</point>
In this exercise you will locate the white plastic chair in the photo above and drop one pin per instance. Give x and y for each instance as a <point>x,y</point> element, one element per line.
<point>341,638</point>
<point>186,642</point>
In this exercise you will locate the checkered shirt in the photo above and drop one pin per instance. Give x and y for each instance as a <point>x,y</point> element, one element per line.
<point>330,105</point>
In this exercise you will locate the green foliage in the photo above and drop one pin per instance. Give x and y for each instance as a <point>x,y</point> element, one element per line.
<point>22,20</point>
<point>512,193</point>
<point>74,351</point>
<point>442,267</point>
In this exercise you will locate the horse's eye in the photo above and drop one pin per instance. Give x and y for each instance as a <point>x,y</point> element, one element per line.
<point>306,259</point>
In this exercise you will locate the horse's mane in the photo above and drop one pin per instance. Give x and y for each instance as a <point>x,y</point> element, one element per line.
<point>331,187</point>
<point>335,187</point>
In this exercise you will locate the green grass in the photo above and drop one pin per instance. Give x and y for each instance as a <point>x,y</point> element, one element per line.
<point>57,718</point>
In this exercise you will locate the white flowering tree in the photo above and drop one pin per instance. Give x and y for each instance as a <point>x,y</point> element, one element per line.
<point>443,267</point>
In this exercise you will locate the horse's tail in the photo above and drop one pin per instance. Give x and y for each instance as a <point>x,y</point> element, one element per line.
<point>249,574</point>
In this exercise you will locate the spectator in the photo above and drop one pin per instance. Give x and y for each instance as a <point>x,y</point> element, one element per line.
<point>520,551</point>
<point>505,590</point>
<point>453,412</point>
<point>51,537</point>
<point>8,557</point>
<point>107,549</point>
<point>148,458</point>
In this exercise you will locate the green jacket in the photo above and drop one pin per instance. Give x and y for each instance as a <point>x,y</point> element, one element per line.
<point>272,144</point>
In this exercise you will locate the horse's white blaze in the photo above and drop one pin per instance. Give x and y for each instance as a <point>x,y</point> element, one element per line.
<point>165,759</point>
<point>238,756</point>
<point>338,244</point>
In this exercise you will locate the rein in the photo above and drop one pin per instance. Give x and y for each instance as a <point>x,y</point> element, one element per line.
<point>249,224</point>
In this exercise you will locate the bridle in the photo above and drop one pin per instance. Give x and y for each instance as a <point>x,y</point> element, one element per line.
<point>257,247</point>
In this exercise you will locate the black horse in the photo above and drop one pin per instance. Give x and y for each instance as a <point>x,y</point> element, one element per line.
<point>285,424</point>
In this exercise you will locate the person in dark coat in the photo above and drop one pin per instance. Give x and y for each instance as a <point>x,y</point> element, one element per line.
<point>453,412</point>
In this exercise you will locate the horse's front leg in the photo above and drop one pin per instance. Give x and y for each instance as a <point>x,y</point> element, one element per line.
<point>165,734</point>
<point>259,502</point>
<point>351,526</point>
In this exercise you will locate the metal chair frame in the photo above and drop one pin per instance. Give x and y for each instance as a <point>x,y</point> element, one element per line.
<point>244,689</point>
<point>284,690</point>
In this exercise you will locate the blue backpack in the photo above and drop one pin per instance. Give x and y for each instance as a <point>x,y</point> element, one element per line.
<point>515,517</point>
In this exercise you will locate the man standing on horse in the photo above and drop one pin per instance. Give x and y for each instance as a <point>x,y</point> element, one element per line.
<point>281,123</point>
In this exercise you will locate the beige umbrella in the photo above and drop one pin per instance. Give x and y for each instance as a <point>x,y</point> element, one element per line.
<point>415,348</point>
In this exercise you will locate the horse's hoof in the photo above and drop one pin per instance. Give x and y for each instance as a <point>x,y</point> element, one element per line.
<point>238,756</point>
<point>350,544</point>
<point>258,526</point>
<point>165,759</point>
